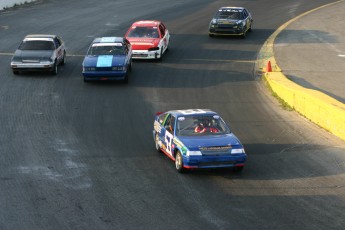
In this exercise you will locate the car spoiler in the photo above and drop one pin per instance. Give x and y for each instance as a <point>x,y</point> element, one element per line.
<point>159,113</point>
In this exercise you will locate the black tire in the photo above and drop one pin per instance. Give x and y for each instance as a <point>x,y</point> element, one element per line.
<point>15,72</point>
<point>86,80</point>
<point>63,61</point>
<point>179,162</point>
<point>244,35</point>
<point>161,57</point>
<point>130,66</point>
<point>156,143</point>
<point>126,78</point>
<point>238,168</point>
<point>211,35</point>
<point>250,28</point>
<point>55,68</point>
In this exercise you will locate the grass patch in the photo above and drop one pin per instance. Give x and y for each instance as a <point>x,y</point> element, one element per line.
<point>283,103</point>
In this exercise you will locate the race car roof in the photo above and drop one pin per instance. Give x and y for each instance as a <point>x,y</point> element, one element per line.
<point>108,40</point>
<point>231,7</point>
<point>192,112</point>
<point>39,37</point>
<point>146,23</point>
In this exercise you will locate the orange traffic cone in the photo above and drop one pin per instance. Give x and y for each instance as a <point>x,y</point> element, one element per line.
<point>269,67</point>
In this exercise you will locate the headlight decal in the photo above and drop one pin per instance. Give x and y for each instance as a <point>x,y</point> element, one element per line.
<point>237,151</point>
<point>194,153</point>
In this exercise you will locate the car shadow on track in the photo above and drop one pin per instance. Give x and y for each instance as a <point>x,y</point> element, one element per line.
<point>282,162</point>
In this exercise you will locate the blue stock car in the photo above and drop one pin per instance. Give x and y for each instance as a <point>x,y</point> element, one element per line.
<point>197,138</point>
<point>108,58</point>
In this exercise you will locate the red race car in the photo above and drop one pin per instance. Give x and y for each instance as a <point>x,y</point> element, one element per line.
<point>149,39</point>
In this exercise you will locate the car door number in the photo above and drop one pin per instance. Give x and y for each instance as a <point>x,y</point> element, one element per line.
<point>168,138</point>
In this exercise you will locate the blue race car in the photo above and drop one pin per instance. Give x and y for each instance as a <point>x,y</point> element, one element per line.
<point>108,58</point>
<point>197,138</point>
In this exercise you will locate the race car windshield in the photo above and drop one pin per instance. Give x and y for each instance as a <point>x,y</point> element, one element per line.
<point>106,50</point>
<point>37,45</point>
<point>201,125</point>
<point>235,15</point>
<point>143,32</point>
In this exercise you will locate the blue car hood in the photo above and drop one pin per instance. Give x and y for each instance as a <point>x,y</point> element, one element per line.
<point>91,61</point>
<point>196,142</point>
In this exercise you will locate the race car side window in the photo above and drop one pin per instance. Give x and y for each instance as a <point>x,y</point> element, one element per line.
<point>169,123</point>
<point>57,42</point>
<point>128,45</point>
<point>245,14</point>
<point>162,30</point>
<point>161,118</point>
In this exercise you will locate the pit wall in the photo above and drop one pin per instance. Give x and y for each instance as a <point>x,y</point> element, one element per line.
<point>318,107</point>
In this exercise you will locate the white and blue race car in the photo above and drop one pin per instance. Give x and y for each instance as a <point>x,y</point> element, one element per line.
<point>197,138</point>
<point>108,58</point>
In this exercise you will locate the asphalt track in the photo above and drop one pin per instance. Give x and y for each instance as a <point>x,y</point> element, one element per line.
<point>81,156</point>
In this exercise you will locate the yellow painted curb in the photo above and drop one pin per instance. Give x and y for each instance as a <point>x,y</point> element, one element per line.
<point>318,107</point>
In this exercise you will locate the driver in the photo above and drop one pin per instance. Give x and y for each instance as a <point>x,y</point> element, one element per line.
<point>205,125</point>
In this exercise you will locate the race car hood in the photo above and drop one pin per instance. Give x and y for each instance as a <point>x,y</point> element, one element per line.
<point>32,55</point>
<point>194,143</point>
<point>108,61</point>
<point>143,43</point>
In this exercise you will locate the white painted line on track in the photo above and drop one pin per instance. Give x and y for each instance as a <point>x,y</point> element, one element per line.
<point>68,55</point>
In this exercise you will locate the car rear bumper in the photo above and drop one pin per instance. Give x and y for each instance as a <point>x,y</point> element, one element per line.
<point>104,75</point>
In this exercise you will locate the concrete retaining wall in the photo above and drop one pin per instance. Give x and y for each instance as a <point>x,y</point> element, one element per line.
<point>318,107</point>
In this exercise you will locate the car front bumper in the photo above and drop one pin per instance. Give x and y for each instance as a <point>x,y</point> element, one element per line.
<point>146,54</point>
<point>18,66</point>
<point>225,161</point>
<point>226,31</point>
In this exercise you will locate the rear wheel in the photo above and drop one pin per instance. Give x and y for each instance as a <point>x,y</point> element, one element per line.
<point>15,72</point>
<point>130,66</point>
<point>238,168</point>
<point>179,162</point>
<point>126,78</point>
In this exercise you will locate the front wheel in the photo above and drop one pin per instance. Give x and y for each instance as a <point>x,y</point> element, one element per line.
<point>63,61</point>
<point>158,148</point>
<point>55,68</point>
<point>251,27</point>
<point>179,162</point>
<point>161,56</point>
<point>244,34</point>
